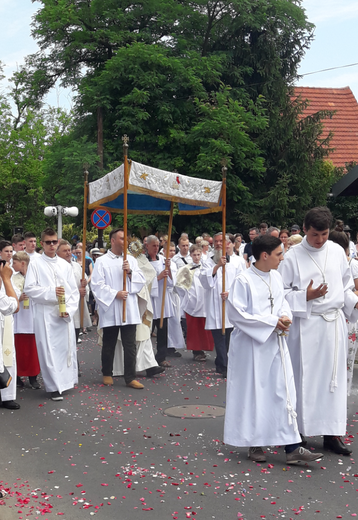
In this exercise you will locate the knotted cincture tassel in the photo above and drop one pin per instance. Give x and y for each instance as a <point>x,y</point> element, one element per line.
<point>292,415</point>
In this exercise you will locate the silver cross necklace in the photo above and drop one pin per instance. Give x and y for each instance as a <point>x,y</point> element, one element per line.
<point>271,298</point>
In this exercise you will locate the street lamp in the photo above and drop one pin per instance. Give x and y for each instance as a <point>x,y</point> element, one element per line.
<point>52,211</point>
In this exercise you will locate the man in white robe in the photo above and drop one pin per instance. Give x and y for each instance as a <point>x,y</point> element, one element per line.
<point>164,268</point>
<point>9,305</point>
<point>260,396</point>
<point>183,256</point>
<point>107,287</point>
<point>30,245</point>
<point>319,286</point>
<point>49,278</point>
<point>145,359</point>
<point>211,279</point>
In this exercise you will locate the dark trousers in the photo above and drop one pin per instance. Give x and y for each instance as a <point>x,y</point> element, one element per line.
<point>184,327</point>
<point>110,335</point>
<point>221,346</point>
<point>162,339</point>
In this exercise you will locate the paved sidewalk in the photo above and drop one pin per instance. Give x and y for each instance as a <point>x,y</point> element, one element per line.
<point>114,452</point>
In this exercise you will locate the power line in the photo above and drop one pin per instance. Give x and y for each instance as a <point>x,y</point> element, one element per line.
<point>332,68</point>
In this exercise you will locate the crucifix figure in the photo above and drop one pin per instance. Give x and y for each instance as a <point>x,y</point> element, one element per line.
<point>271,298</point>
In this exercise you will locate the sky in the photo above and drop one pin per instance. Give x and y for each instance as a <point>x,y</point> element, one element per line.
<point>334,44</point>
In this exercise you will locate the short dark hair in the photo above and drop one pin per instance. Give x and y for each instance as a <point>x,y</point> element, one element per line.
<point>48,232</point>
<point>264,244</point>
<point>231,238</point>
<point>17,238</point>
<point>263,225</point>
<point>319,218</point>
<point>5,243</point>
<point>114,231</point>
<point>29,234</point>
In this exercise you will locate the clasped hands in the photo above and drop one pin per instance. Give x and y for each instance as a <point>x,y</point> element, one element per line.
<point>283,323</point>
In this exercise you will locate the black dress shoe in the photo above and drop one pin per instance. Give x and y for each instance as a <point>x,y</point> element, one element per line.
<point>10,405</point>
<point>335,444</point>
<point>154,371</point>
<point>171,352</point>
<point>34,383</point>
<point>303,440</point>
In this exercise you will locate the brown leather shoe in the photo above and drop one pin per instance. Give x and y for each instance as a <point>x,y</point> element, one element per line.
<point>108,380</point>
<point>135,384</point>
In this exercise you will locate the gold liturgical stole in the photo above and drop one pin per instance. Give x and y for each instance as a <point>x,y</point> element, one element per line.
<point>8,341</point>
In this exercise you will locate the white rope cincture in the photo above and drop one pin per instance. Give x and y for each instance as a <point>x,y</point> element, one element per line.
<point>334,317</point>
<point>292,415</point>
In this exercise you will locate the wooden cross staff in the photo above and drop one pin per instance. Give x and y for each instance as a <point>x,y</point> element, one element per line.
<point>85,196</point>
<point>224,170</point>
<point>125,140</point>
<point>166,258</point>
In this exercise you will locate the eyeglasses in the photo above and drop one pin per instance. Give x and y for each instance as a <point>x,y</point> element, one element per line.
<point>51,242</point>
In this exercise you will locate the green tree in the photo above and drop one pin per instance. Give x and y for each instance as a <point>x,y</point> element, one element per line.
<point>191,82</point>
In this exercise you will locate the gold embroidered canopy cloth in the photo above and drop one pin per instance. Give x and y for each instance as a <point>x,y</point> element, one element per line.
<point>151,190</point>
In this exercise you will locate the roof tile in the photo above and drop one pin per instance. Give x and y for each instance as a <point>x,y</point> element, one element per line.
<point>343,124</point>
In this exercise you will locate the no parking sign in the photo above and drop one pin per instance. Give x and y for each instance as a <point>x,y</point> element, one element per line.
<point>101,218</point>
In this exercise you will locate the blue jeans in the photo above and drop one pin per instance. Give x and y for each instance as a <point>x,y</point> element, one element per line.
<point>221,346</point>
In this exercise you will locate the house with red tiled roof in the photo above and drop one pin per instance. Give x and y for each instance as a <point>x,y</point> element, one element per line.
<point>343,124</point>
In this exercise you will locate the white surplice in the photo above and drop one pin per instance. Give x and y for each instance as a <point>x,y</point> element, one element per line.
<point>213,289</point>
<point>260,395</point>
<point>156,292</point>
<point>106,281</point>
<point>318,336</point>
<point>191,291</point>
<point>55,336</point>
<point>8,306</point>
<point>238,261</point>
<point>24,319</point>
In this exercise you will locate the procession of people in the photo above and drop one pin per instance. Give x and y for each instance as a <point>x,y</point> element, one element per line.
<point>279,312</point>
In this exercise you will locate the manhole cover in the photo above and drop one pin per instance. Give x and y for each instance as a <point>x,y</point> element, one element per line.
<point>194,411</point>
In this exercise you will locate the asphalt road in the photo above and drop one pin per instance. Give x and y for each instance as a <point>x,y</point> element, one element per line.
<point>113,453</point>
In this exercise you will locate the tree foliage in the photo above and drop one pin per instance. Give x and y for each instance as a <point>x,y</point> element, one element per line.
<point>190,83</point>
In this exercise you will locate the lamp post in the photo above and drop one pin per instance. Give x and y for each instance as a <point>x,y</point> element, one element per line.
<point>52,211</point>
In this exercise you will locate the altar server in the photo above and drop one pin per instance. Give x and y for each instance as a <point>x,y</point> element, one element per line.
<point>107,287</point>
<point>164,268</point>
<point>319,287</point>
<point>8,305</point>
<point>145,359</point>
<point>211,280</point>
<point>192,295</point>
<point>25,342</point>
<point>49,279</point>
<point>261,399</point>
